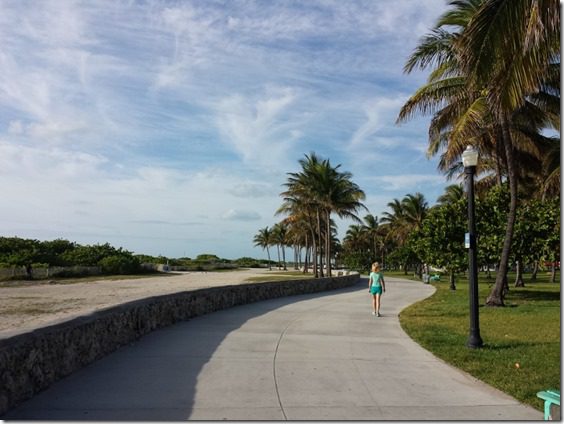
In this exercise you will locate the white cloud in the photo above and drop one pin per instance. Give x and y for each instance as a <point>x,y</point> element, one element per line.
<point>380,114</point>
<point>407,182</point>
<point>238,215</point>
<point>154,125</point>
<point>15,127</point>
<point>263,129</point>
<point>252,190</point>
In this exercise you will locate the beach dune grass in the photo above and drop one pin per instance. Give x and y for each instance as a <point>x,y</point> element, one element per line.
<point>521,352</point>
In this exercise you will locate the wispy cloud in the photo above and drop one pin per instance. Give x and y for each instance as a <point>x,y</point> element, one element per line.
<point>407,182</point>
<point>238,215</point>
<point>169,121</point>
<point>263,129</point>
<point>380,116</point>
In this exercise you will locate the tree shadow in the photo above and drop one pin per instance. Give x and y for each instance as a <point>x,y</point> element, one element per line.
<point>533,295</point>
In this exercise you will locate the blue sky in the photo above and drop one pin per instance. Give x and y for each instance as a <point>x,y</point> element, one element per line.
<point>168,127</point>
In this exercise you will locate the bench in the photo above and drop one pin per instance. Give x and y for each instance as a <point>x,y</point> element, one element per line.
<point>551,398</point>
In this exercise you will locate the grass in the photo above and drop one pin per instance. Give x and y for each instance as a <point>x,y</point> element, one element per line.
<point>280,276</point>
<point>38,309</point>
<point>521,352</point>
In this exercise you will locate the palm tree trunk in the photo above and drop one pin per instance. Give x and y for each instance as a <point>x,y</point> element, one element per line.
<point>278,250</point>
<point>535,271</point>
<point>519,278</point>
<point>314,253</point>
<point>268,253</point>
<point>319,244</point>
<point>328,244</point>
<point>496,296</point>
<point>306,258</point>
<point>284,257</point>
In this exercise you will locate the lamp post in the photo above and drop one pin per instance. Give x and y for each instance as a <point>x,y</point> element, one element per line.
<point>470,160</point>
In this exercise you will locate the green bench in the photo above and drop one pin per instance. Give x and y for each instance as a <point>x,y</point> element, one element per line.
<point>551,397</point>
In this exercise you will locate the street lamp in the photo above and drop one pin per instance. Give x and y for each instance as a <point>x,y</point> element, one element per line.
<point>470,160</point>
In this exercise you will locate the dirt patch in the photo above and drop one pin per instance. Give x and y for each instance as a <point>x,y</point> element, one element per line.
<point>28,306</point>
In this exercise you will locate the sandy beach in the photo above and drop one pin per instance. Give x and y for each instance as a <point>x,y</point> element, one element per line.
<point>27,307</point>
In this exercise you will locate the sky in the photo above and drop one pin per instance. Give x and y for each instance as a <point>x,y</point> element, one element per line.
<point>169,127</point>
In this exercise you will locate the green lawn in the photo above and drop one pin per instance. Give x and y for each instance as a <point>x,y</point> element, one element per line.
<point>521,353</point>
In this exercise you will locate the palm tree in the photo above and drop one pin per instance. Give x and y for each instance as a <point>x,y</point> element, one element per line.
<point>484,73</point>
<point>355,236</point>
<point>415,209</point>
<point>318,191</point>
<point>299,204</point>
<point>264,239</point>
<point>453,193</point>
<point>343,198</point>
<point>279,236</point>
<point>507,49</point>
<point>371,228</point>
<point>407,216</point>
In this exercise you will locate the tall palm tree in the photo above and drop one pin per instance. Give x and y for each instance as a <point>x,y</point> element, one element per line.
<point>507,50</point>
<point>343,198</point>
<point>299,203</point>
<point>415,209</point>
<point>484,73</point>
<point>321,189</point>
<point>406,216</point>
<point>280,236</point>
<point>355,236</point>
<point>391,222</point>
<point>371,228</point>
<point>264,239</point>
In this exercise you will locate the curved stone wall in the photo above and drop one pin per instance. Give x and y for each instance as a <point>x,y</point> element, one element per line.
<point>32,361</point>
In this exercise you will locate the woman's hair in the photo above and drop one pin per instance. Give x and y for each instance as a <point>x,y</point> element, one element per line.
<point>375,267</point>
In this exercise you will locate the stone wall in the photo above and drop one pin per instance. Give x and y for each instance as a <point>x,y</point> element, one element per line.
<point>32,361</point>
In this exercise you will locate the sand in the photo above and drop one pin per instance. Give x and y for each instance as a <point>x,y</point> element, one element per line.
<point>28,307</point>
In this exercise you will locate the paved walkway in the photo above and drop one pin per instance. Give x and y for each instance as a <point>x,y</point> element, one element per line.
<point>310,357</point>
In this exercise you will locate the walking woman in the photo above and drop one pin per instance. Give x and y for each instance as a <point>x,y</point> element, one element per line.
<point>376,286</point>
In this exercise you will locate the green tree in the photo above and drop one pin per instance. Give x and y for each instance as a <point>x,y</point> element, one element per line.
<point>506,50</point>
<point>15,251</point>
<point>453,193</point>
<point>492,60</point>
<point>264,240</point>
<point>317,191</point>
<point>356,254</point>
<point>491,216</point>
<point>439,241</point>
<point>280,238</point>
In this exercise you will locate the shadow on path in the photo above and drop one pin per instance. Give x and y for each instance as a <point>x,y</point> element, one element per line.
<point>156,377</point>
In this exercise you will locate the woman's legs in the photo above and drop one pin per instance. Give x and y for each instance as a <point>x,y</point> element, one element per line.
<point>377,304</point>
<point>374,302</point>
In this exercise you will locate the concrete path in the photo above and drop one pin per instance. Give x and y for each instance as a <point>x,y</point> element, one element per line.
<point>310,357</point>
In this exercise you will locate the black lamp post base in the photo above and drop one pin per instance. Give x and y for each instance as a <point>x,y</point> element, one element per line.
<point>474,342</point>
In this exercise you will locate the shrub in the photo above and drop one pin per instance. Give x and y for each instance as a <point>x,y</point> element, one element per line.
<point>120,264</point>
